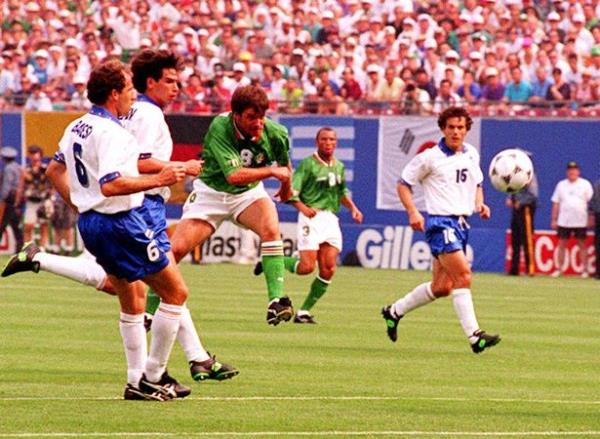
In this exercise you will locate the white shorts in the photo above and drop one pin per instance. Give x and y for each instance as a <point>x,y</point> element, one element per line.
<point>31,213</point>
<point>323,227</point>
<point>214,207</point>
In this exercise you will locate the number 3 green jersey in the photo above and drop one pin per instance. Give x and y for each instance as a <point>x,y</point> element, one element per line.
<point>226,151</point>
<point>318,184</point>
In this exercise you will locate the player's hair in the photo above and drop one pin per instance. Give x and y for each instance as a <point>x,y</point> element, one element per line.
<point>150,63</point>
<point>323,130</point>
<point>34,149</point>
<point>454,112</point>
<point>105,78</point>
<point>249,96</point>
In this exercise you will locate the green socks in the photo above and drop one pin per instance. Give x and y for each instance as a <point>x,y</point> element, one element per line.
<point>152,302</point>
<point>273,267</point>
<point>290,263</point>
<point>317,289</point>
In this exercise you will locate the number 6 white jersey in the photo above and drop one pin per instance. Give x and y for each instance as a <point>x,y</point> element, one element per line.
<point>96,149</point>
<point>449,179</point>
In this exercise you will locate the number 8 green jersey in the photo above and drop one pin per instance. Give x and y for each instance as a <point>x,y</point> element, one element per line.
<point>226,151</point>
<point>318,184</point>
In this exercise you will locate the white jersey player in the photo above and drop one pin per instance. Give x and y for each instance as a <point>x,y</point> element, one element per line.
<point>96,170</point>
<point>156,78</point>
<point>451,179</point>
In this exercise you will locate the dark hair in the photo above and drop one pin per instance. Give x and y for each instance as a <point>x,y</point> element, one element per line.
<point>322,130</point>
<point>34,149</point>
<point>249,96</point>
<point>454,112</point>
<point>150,63</point>
<point>105,78</point>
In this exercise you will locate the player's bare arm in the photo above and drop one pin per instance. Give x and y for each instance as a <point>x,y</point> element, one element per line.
<point>285,192</point>
<point>415,219</point>
<point>154,166</point>
<point>480,207</point>
<point>169,175</point>
<point>245,176</point>
<point>58,176</point>
<point>307,211</point>
<point>357,215</point>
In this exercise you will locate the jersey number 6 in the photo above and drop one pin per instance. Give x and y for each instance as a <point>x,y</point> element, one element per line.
<point>79,166</point>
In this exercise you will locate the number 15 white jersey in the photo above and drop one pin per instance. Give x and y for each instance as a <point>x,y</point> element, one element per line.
<point>96,149</point>
<point>449,179</point>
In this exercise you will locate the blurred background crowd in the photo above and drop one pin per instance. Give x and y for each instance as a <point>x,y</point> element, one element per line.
<point>317,56</point>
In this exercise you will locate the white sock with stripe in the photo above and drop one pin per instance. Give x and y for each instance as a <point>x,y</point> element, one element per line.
<point>419,296</point>
<point>188,338</point>
<point>82,269</point>
<point>463,306</point>
<point>165,326</point>
<point>133,333</point>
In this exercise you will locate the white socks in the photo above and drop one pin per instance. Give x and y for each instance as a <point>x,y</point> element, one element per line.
<point>187,336</point>
<point>463,306</point>
<point>418,297</point>
<point>165,326</point>
<point>84,270</point>
<point>134,340</point>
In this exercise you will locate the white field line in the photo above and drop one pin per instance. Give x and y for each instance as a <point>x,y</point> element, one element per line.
<point>319,398</point>
<point>314,433</point>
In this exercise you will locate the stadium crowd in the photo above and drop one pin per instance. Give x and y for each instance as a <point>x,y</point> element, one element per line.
<point>318,56</point>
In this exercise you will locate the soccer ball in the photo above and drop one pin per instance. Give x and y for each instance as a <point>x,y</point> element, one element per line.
<point>510,171</point>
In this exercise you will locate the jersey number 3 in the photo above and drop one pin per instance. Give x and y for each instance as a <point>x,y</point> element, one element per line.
<point>79,166</point>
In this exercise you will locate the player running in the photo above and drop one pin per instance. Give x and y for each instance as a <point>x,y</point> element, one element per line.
<point>319,187</point>
<point>239,150</point>
<point>451,179</point>
<point>155,77</point>
<point>100,159</point>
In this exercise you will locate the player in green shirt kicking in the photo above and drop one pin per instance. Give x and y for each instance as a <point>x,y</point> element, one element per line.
<point>239,151</point>
<point>319,187</point>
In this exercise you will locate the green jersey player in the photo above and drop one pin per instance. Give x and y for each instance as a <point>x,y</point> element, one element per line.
<point>241,149</point>
<point>319,188</point>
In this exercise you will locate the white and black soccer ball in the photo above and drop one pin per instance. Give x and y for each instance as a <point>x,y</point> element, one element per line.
<point>510,170</point>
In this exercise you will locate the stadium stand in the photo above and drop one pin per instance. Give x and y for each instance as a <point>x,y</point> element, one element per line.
<point>318,56</point>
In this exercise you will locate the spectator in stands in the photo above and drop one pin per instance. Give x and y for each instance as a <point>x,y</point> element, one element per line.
<point>445,98</point>
<point>330,103</point>
<point>517,91</point>
<point>391,87</point>
<point>292,96</point>
<point>79,100</point>
<point>415,100</point>
<point>38,100</point>
<point>424,82</point>
<point>469,91</point>
<point>493,90</point>
<point>350,89</point>
<point>570,214</point>
<point>559,91</point>
<point>540,86</point>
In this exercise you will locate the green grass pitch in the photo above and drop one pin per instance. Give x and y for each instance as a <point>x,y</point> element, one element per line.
<point>62,367</point>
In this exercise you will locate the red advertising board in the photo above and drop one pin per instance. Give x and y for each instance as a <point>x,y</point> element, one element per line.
<point>545,250</point>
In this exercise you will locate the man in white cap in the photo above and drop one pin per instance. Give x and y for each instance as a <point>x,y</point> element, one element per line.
<point>239,77</point>
<point>40,65</point>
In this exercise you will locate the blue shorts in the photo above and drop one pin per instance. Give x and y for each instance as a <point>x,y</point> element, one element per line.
<point>446,234</point>
<point>156,218</point>
<point>123,243</point>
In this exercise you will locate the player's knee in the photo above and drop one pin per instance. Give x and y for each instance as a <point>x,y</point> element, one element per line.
<point>441,289</point>
<point>326,272</point>
<point>463,280</point>
<point>305,267</point>
<point>177,296</point>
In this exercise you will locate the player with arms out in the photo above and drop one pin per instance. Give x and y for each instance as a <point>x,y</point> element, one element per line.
<point>100,159</point>
<point>451,179</point>
<point>319,188</point>
<point>155,77</point>
<point>239,151</point>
